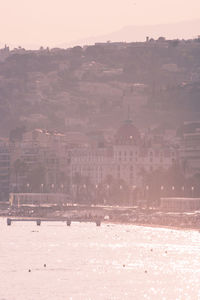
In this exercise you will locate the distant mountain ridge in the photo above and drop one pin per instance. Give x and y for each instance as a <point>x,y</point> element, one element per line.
<point>181,30</point>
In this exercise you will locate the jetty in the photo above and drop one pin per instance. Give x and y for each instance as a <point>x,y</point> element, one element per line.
<point>68,221</point>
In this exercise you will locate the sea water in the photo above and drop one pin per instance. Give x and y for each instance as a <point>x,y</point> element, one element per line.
<point>83,261</point>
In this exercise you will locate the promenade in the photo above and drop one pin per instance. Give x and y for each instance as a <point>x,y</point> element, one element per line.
<point>98,214</point>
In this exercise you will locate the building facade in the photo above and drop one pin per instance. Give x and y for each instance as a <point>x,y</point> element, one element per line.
<point>127,159</point>
<point>4,170</point>
<point>190,149</point>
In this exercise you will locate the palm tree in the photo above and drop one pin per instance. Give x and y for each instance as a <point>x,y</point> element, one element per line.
<point>19,169</point>
<point>36,177</point>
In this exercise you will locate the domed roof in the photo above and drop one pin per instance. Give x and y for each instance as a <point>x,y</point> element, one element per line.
<point>127,134</point>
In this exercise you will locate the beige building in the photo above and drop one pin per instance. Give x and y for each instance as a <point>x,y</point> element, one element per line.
<point>4,169</point>
<point>190,148</point>
<point>39,148</point>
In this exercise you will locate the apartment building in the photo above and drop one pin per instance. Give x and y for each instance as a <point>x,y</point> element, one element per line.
<point>4,170</point>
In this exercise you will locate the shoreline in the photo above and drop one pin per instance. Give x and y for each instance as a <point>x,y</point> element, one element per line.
<point>107,215</point>
<point>172,227</point>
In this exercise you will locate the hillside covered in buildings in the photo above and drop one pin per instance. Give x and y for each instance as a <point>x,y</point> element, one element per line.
<point>114,123</point>
<point>93,87</point>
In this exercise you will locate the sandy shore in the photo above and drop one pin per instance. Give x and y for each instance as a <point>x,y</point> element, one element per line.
<point>183,228</point>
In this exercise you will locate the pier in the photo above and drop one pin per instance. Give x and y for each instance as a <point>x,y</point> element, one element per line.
<point>67,220</point>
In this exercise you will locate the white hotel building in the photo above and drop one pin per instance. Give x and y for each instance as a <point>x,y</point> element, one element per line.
<point>128,158</point>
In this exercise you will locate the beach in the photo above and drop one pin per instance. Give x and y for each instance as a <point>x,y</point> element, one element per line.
<point>83,261</point>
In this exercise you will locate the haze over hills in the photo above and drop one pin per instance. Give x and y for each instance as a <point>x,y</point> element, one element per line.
<point>181,30</point>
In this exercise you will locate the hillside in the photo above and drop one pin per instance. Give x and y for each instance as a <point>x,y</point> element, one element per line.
<point>93,87</point>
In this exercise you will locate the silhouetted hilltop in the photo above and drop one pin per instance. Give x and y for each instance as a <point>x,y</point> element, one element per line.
<point>178,30</point>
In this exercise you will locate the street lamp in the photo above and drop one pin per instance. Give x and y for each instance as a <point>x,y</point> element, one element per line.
<point>28,185</point>
<point>192,189</point>
<point>107,194</point>
<point>147,189</point>
<point>62,187</point>
<point>133,189</point>
<point>85,195</point>
<point>183,190</point>
<point>73,192</point>
<point>41,197</point>
<point>96,187</point>
<point>161,190</point>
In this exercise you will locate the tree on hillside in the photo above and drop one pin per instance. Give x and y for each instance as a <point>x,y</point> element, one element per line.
<point>17,134</point>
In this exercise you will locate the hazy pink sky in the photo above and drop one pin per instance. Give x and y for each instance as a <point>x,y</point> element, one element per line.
<point>51,22</point>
